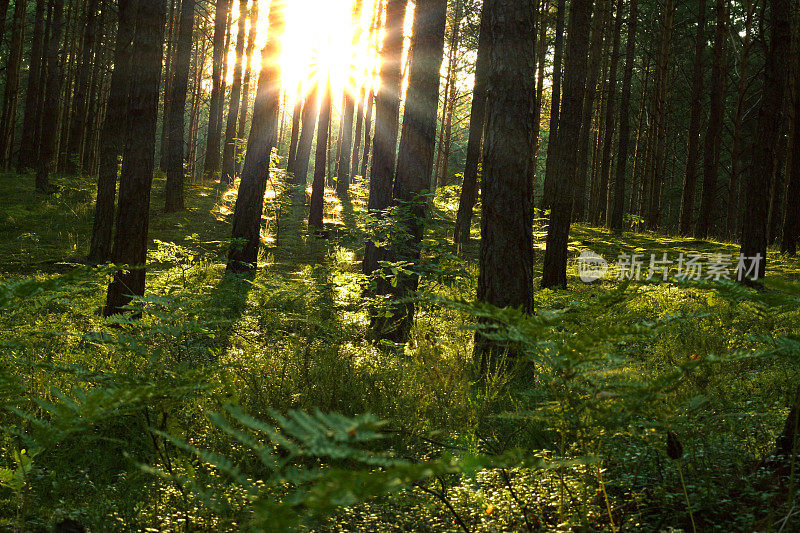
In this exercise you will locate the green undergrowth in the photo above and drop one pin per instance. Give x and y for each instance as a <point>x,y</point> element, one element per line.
<point>258,403</point>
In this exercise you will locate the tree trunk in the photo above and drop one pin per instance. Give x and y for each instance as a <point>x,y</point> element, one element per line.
<point>367,133</point>
<point>346,134</point>
<point>618,206</point>
<point>506,253</point>
<point>11,91</point>
<point>177,109</point>
<point>778,188</point>
<point>296,114</point>
<point>477,121</point>
<point>715,122</point>
<point>791,212</point>
<point>754,227</point>
<point>310,112</point>
<point>446,139</point>
<point>555,99</point>
<point>660,120</point>
<point>387,103</point>
<point>695,110</point>
<point>601,200</point>
<point>251,47</point>
<point>541,45</point>
<point>263,139</point>
<point>113,137</point>
<point>130,239</point>
<point>565,159</point>
<point>229,151</point>
<point>33,94</point>
<point>599,23</point>
<point>211,166</point>
<point>169,58</point>
<point>50,105</point>
<point>315,218</point>
<point>415,159</point>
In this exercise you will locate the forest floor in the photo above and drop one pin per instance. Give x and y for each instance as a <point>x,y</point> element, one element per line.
<point>617,366</point>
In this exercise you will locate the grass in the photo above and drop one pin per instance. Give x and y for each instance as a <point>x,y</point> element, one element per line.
<point>613,373</point>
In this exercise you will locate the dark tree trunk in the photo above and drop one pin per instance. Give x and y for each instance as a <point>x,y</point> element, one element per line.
<point>354,159</point>
<point>618,207</point>
<point>8,115</point>
<point>555,100</point>
<point>601,200</point>
<point>229,151</point>
<point>477,121</point>
<point>387,118</point>
<point>367,133</point>
<point>169,58</point>
<point>211,165</point>
<point>506,253</point>
<point>310,112</point>
<point>415,159</point>
<point>715,119</point>
<point>3,14</point>
<point>251,47</point>
<point>34,94</point>
<point>80,99</point>
<point>541,46</point>
<point>50,105</point>
<point>554,273</point>
<point>791,212</point>
<point>346,131</point>
<point>263,139</point>
<point>177,109</point>
<point>695,110</point>
<point>112,139</point>
<point>315,218</point>
<point>133,216</point>
<point>754,227</point>
<point>599,23</point>
<point>778,187</point>
<point>295,137</point>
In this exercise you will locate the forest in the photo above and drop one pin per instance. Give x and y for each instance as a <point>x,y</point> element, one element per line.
<point>399,265</point>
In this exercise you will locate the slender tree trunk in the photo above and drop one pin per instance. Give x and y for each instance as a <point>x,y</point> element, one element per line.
<point>315,220</point>
<point>506,253</point>
<point>548,194</point>
<point>130,239</point>
<point>599,23</point>
<point>346,134</point>
<point>177,109</point>
<point>695,110</point>
<point>367,133</point>
<point>754,228</point>
<point>450,94</point>
<point>310,112</point>
<point>732,218</point>
<point>660,114</point>
<point>601,212</point>
<point>296,115</point>
<point>415,158</point>
<point>541,45</point>
<point>778,185</point>
<point>8,115</point>
<point>715,123</point>
<point>50,105</point>
<point>169,58</point>
<point>554,273</point>
<point>618,206</point>
<point>251,47</point>
<point>387,103</point>
<point>263,139</point>
<point>33,94</point>
<point>477,121</point>
<point>229,151</point>
<point>211,166</point>
<point>791,212</point>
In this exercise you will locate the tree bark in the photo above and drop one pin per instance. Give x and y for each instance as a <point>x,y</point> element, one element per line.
<point>112,139</point>
<point>177,109</point>
<point>211,165</point>
<point>33,94</point>
<point>415,159</point>
<point>618,206</point>
<point>754,227</point>
<point>133,216</point>
<point>506,252</point>
<point>791,212</point>
<point>315,218</point>
<point>346,134</point>
<point>50,105</point>
<point>387,104</point>
<point>554,273</point>
<point>251,47</point>
<point>229,150</point>
<point>695,110</point>
<point>310,112</point>
<point>477,122</point>
<point>548,194</point>
<point>296,115</point>
<point>262,140</point>
<point>11,92</point>
<point>715,122</point>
